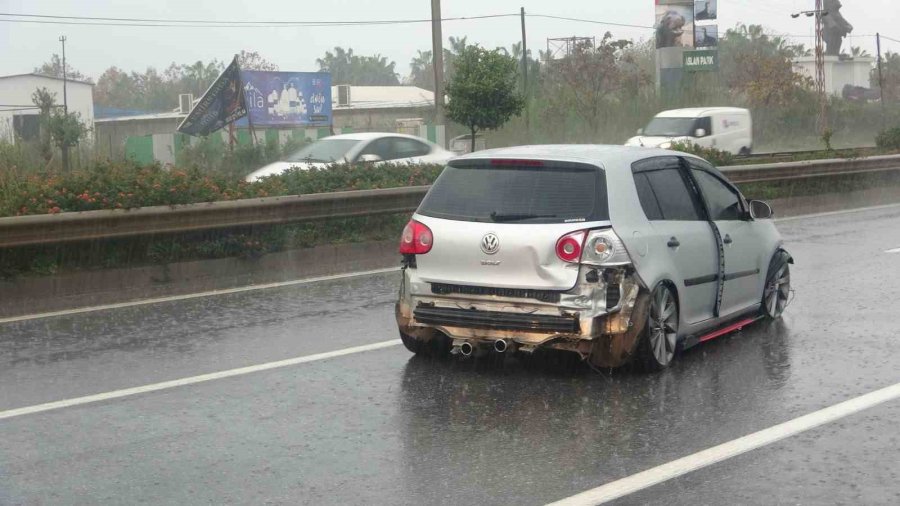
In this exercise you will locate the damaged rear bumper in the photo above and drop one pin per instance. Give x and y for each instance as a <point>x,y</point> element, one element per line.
<point>579,322</point>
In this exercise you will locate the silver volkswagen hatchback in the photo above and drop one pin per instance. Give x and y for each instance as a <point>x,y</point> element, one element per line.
<point>618,254</point>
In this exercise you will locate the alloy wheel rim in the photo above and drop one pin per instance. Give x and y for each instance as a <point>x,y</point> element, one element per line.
<point>663,325</point>
<point>777,291</point>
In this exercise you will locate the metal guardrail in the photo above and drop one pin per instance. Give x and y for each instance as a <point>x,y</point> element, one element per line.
<point>810,168</point>
<point>775,155</point>
<point>109,224</point>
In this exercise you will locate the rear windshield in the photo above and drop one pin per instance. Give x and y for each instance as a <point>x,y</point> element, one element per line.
<point>518,195</point>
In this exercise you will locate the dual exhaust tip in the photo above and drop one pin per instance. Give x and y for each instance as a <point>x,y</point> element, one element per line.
<point>466,349</point>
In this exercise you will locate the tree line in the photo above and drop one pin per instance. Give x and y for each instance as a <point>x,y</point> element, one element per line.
<point>593,93</point>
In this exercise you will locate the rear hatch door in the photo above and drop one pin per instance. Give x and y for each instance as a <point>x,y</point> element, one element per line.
<point>496,223</point>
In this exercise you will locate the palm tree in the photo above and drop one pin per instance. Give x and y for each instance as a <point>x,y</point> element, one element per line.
<point>421,70</point>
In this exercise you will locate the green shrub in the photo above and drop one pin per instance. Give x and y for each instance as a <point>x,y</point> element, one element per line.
<point>126,185</point>
<point>712,155</point>
<point>889,139</point>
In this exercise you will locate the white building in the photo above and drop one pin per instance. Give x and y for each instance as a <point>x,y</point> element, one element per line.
<point>18,114</point>
<point>839,71</point>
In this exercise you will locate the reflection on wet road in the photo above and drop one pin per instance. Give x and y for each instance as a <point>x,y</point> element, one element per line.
<point>382,427</point>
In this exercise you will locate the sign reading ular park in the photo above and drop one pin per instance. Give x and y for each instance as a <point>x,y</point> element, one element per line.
<point>223,103</point>
<point>288,98</point>
<point>695,61</point>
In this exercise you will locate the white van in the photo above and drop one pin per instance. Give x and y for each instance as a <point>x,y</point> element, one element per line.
<point>724,128</point>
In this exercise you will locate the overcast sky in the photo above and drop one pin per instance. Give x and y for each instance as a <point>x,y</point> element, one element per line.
<point>92,49</point>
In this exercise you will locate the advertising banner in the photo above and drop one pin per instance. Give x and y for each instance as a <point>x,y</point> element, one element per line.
<point>706,36</point>
<point>288,98</point>
<point>223,103</point>
<point>674,24</point>
<point>701,60</point>
<point>705,10</point>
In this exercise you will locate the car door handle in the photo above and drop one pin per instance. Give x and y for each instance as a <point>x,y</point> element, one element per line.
<point>673,243</point>
<point>727,239</point>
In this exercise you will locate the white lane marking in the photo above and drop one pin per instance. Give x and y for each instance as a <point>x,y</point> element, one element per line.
<point>835,213</point>
<point>895,250</point>
<point>684,465</point>
<point>193,380</point>
<point>210,293</point>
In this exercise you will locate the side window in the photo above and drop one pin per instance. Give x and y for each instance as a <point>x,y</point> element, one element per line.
<point>706,124</point>
<point>663,191</point>
<point>723,202</point>
<point>378,147</point>
<point>647,197</point>
<point>675,199</point>
<point>409,148</point>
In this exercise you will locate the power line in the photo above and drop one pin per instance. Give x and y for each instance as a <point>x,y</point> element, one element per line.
<point>194,23</point>
<point>592,21</point>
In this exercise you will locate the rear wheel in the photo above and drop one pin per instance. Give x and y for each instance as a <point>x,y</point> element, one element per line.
<point>657,348</point>
<point>778,286</point>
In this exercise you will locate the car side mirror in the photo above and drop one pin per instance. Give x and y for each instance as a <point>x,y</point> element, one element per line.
<point>700,133</point>
<point>369,158</point>
<point>760,210</point>
<point>640,131</point>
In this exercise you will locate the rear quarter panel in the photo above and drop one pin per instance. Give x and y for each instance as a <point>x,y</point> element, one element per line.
<point>631,225</point>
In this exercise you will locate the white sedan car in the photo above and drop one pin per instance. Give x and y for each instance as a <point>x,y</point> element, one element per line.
<point>373,147</point>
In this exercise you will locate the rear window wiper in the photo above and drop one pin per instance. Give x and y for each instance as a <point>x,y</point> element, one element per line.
<point>501,217</point>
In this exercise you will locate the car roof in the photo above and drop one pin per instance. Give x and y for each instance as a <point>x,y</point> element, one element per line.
<point>696,112</point>
<point>366,136</point>
<point>601,155</point>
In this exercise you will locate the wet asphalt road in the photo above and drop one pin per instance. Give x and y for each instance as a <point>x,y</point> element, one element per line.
<point>382,427</point>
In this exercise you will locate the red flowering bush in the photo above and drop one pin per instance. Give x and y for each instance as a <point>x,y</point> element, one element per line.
<point>125,185</point>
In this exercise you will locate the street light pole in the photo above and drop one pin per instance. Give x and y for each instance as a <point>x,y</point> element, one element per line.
<point>437,59</point>
<point>819,13</point>
<point>65,77</point>
<point>880,79</point>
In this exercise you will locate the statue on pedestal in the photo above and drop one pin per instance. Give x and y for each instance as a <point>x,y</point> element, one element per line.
<point>836,27</point>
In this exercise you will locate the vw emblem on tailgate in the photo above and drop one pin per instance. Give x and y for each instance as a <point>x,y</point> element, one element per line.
<point>490,243</point>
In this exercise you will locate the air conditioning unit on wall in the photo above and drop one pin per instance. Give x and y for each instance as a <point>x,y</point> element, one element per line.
<point>343,94</point>
<point>185,103</point>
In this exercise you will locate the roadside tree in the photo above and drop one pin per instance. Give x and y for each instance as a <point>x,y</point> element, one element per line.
<point>482,93</point>
<point>54,68</point>
<point>348,68</point>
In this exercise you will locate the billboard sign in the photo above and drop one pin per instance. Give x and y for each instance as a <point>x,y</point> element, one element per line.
<point>706,36</point>
<point>701,60</point>
<point>674,24</point>
<point>706,10</point>
<point>223,103</point>
<point>288,98</point>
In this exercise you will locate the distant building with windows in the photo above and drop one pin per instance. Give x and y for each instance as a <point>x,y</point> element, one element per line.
<point>19,117</point>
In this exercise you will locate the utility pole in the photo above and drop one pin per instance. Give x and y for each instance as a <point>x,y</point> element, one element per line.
<point>820,68</point>
<point>64,148</point>
<point>437,49</point>
<point>525,69</point>
<point>819,13</point>
<point>65,77</point>
<point>880,78</point>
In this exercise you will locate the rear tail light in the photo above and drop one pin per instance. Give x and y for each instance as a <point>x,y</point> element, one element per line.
<point>417,239</point>
<point>603,247</point>
<point>568,247</point>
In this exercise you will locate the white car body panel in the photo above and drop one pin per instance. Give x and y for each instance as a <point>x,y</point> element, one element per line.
<point>438,155</point>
